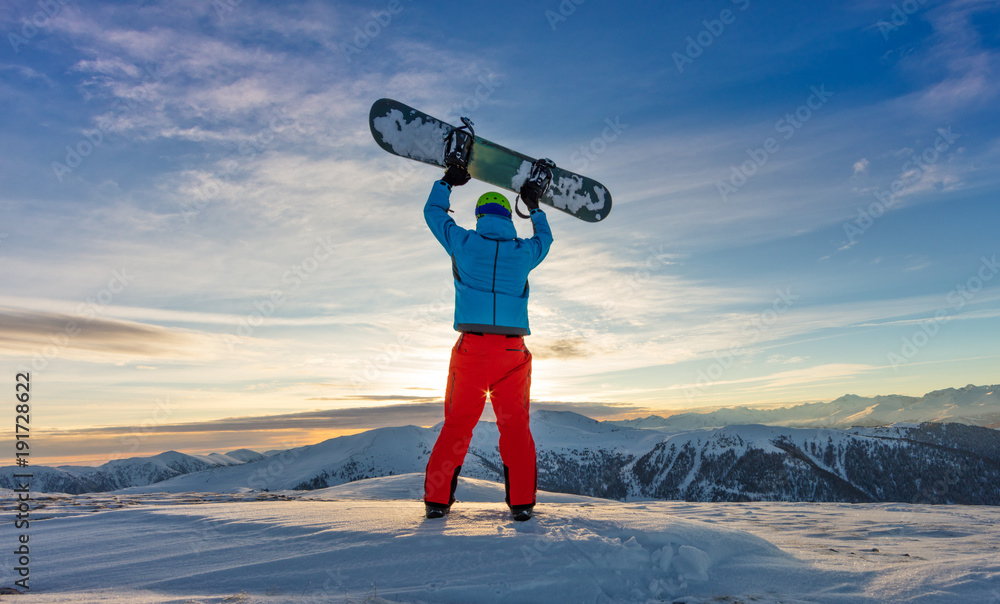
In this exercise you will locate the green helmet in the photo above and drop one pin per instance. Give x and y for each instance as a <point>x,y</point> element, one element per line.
<point>493,203</point>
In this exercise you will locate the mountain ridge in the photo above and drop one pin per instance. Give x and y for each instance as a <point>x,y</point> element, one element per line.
<point>974,405</point>
<point>632,460</point>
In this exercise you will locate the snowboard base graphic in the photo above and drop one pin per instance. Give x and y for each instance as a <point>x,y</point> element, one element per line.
<point>407,132</point>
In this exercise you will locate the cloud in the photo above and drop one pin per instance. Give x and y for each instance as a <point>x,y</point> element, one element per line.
<point>97,445</point>
<point>352,418</point>
<point>87,337</point>
<point>785,360</point>
<point>956,48</point>
<point>809,376</point>
<point>861,166</point>
<point>565,348</point>
<point>377,397</point>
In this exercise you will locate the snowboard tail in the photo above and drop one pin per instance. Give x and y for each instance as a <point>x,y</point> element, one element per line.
<point>407,132</point>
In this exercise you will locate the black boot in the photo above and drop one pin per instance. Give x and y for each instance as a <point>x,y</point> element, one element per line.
<point>435,510</point>
<point>522,512</point>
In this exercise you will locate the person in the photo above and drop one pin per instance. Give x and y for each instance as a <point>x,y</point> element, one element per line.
<point>490,265</point>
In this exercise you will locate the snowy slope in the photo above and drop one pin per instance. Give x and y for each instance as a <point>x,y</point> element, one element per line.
<point>973,405</point>
<point>410,486</point>
<point>350,548</point>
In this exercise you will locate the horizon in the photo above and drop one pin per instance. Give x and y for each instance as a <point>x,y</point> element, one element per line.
<point>196,225</point>
<point>376,422</point>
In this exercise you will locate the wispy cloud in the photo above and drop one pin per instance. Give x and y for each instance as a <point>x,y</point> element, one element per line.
<point>957,47</point>
<point>88,337</point>
<point>418,412</point>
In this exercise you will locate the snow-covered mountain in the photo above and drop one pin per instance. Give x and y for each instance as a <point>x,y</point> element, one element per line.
<point>925,462</point>
<point>973,405</point>
<point>930,463</point>
<point>122,473</point>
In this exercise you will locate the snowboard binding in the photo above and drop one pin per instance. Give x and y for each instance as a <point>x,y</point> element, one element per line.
<point>458,145</point>
<point>537,183</point>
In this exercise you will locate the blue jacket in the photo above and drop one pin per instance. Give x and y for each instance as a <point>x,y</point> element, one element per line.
<point>490,265</point>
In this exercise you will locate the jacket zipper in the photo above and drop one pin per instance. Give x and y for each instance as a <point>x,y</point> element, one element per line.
<point>493,288</point>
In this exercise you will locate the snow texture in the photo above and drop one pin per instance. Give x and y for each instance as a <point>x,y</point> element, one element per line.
<point>567,194</point>
<point>421,140</point>
<point>522,175</point>
<point>369,542</point>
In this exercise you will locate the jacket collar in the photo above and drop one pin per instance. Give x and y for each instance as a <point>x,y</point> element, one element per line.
<point>496,227</point>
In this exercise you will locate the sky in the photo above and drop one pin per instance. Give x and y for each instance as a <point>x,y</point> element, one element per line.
<point>203,248</point>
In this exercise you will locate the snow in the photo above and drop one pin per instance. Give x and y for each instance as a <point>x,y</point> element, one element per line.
<point>601,193</point>
<point>522,175</point>
<point>410,486</point>
<point>369,542</point>
<point>404,137</point>
<point>566,194</point>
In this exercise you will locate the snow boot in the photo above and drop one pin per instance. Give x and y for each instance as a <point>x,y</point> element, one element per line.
<point>521,512</point>
<point>436,510</point>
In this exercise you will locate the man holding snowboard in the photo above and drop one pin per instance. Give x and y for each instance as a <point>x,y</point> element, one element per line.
<point>490,265</point>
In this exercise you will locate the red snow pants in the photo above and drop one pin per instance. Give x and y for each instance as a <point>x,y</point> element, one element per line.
<point>480,364</point>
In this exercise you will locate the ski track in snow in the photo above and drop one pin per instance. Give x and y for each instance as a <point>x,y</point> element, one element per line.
<point>367,541</point>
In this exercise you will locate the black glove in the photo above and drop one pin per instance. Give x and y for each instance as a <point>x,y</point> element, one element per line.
<point>456,176</point>
<point>531,192</point>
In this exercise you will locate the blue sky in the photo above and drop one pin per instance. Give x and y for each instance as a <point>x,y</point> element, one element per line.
<point>195,224</point>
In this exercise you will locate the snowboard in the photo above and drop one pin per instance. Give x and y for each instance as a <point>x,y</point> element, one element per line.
<point>407,132</point>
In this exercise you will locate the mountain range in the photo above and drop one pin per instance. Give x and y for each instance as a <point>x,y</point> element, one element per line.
<point>973,405</point>
<point>122,473</point>
<point>905,462</point>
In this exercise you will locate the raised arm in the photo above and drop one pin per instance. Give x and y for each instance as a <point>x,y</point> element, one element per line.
<point>438,205</point>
